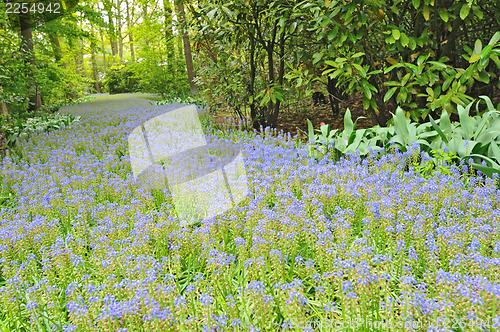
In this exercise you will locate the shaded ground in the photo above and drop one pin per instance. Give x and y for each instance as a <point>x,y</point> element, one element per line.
<point>294,122</point>
<point>293,118</point>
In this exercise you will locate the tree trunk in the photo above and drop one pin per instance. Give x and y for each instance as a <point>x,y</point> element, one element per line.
<point>146,21</point>
<point>281,77</point>
<point>4,111</point>
<point>170,43</point>
<point>111,28</point>
<point>129,27</point>
<point>82,62</point>
<point>187,49</point>
<point>27,50</point>
<point>251,86</point>
<point>119,23</point>
<point>76,59</point>
<point>270,67</point>
<point>95,74</point>
<point>103,52</point>
<point>56,47</point>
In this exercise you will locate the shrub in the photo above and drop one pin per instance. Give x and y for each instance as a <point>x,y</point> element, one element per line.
<point>121,79</point>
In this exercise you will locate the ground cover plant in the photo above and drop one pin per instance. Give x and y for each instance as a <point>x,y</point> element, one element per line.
<point>357,244</point>
<point>472,138</point>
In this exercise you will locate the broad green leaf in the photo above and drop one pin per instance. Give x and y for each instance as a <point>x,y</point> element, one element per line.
<point>484,77</point>
<point>466,121</point>
<point>310,130</point>
<point>485,55</point>
<point>354,145</point>
<point>480,156</point>
<point>392,61</point>
<point>474,58</point>
<point>422,142</point>
<point>366,91</point>
<point>439,64</point>
<point>426,12</point>
<point>390,40</point>
<point>401,125</point>
<point>416,3</point>
<point>404,39</point>
<point>495,38</point>
<point>464,11</point>
<point>478,46</point>
<point>428,134</point>
<point>445,124</point>
<point>444,15</point>
<point>412,44</point>
<point>389,93</point>
<point>481,126</point>
<point>489,171</point>
<point>366,103</point>
<point>495,151</point>
<point>440,132</point>
<point>348,124</point>
<point>457,146</point>
<point>396,34</point>
<point>488,103</point>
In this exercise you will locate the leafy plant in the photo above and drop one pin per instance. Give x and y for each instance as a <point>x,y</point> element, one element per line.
<point>440,161</point>
<point>475,138</point>
<point>433,85</point>
<point>24,129</point>
<point>183,99</point>
<point>121,79</point>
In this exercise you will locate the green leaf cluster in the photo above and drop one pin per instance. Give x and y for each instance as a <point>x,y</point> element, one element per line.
<point>23,129</point>
<point>472,138</point>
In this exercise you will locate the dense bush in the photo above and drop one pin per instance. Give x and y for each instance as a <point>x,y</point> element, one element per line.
<point>121,78</point>
<point>166,77</point>
<point>421,55</point>
<point>58,85</point>
<point>153,74</point>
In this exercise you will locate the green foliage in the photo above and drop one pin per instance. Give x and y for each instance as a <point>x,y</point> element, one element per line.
<point>476,138</point>
<point>439,86</point>
<point>245,62</point>
<point>59,85</point>
<point>362,40</point>
<point>183,99</point>
<point>440,161</point>
<point>353,76</point>
<point>161,74</point>
<point>121,78</point>
<point>13,79</point>
<point>23,129</point>
<point>154,74</point>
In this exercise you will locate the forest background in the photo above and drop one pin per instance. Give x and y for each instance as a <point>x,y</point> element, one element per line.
<point>255,60</point>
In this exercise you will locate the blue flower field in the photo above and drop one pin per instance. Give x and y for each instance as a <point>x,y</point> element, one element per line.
<point>358,245</point>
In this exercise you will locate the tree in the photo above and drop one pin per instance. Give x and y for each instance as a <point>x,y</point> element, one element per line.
<point>130,14</point>
<point>29,56</point>
<point>187,47</point>
<point>256,32</point>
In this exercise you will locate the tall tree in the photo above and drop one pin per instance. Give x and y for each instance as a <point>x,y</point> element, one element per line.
<point>28,52</point>
<point>103,50</point>
<point>119,30</point>
<point>169,36</point>
<point>187,47</point>
<point>130,15</point>
<point>108,8</point>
